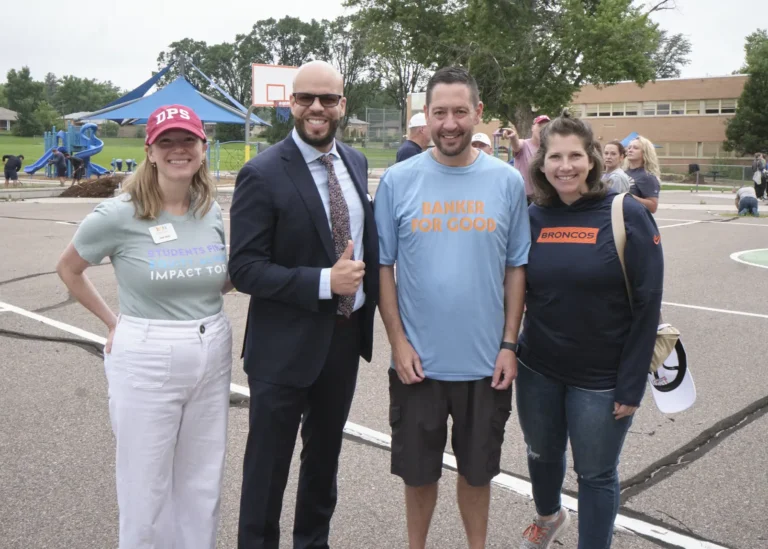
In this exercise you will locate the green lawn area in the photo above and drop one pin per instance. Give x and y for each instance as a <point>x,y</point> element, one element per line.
<point>232,155</point>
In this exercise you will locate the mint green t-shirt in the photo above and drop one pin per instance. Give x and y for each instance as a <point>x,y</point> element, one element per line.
<point>179,279</point>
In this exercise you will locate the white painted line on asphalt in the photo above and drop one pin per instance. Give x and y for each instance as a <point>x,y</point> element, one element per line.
<point>514,484</point>
<point>66,223</point>
<point>54,323</point>
<point>679,224</point>
<point>735,257</point>
<point>710,309</point>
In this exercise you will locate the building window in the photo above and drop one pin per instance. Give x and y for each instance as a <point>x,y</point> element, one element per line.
<point>661,149</point>
<point>662,109</point>
<point>712,106</point>
<point>577,111</point>
<point>632,109</point>
<point>686,149</point>
<point>678,107</point>
<point>605,109</point>
<point>649,108</point>
<point>693,107</point>
<point>711,150</point>
<point>617,109</point>
<point>592,110</point>
<point>728,106</point>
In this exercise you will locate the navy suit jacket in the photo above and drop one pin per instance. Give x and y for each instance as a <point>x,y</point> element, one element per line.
<point>280,241</point>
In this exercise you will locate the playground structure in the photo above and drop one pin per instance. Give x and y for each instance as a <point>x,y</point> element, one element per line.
<point>79,142</point>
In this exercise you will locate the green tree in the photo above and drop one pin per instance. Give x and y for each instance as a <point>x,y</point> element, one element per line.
<point>51,84</point>
<point>27,124</point>
<point>347,50</point>
<point>747,131</point>
<point>75,94</point>
<point>671,55</point>
<point>527,57</point>
<point>47,116</point>
<point>3,97</point>
<point>22,91</point>
<point>290,41</point>
<point>195,51</point>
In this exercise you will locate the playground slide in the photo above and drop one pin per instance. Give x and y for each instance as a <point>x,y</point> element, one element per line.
<point>93,145</point>
<point>41,163</point>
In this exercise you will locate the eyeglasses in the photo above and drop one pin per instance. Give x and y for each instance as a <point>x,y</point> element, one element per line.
<point>326,99</point>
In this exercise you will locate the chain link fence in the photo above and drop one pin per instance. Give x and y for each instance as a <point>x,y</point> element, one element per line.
<point>384,128</point>
<point>710,173</point>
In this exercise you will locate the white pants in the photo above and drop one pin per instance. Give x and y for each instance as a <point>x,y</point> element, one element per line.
<point>169,405</point>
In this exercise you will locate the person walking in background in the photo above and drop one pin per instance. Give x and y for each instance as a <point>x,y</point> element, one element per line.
<point>305,248</point>
<point>746,201</point>
<point>642,167</point>
<point>11,166</point>
<point>60,164</point>
<point>525,149</point>
<point>168,356</point>
<point>613,158</point>
<point>418,138</point>
<point>454,223</point>
<point>586,346</point>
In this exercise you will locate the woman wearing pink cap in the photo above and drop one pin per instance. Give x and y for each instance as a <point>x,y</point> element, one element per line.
<point>168,355</point>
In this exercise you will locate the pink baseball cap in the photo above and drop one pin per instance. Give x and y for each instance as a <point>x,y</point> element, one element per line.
<point>173,117</point>
<point>540,119</point>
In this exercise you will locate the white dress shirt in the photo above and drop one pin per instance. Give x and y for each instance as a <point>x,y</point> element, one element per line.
<point>354,204</point>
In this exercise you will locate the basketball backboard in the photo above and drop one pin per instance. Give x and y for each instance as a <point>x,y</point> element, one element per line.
<point>271,84</point>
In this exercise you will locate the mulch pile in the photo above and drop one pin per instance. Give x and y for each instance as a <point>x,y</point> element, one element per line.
<point>103,187</point>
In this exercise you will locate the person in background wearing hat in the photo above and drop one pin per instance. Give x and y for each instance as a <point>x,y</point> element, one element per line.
<point>482,142</point>
<point>12,167</point>
<point>525,149</point>
<point>418,138</point>
<point>168,355</point>
<point>586,346</point>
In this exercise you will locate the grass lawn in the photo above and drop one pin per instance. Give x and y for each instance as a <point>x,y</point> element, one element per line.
<point>232,155</point>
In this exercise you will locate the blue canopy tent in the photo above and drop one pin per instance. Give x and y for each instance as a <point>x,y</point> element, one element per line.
<point>180,91</point>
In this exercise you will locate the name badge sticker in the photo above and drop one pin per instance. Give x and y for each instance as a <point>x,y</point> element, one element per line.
<point>163,233</point>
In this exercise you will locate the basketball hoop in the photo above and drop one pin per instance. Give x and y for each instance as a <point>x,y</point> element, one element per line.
<point>282,110</point>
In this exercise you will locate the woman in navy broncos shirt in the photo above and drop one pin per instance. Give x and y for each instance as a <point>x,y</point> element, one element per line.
<point>585,350</point>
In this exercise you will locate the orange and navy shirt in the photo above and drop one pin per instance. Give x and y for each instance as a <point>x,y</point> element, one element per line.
<point>579,327</point>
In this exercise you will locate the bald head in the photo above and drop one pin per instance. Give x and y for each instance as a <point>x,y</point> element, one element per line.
<point>318,77</point>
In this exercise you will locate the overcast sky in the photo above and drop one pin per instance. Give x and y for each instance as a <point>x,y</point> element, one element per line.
<point>120,41</point>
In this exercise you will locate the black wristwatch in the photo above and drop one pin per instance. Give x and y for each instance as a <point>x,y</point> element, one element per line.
<point>511,346</point>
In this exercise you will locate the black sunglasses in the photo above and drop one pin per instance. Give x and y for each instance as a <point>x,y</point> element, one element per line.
<point>326,99</point>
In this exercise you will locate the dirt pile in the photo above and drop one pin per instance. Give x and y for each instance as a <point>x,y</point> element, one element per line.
<point>102,187</point>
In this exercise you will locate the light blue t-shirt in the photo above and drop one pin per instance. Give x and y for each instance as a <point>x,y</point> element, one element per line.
<point>451,232</point>
<point>180,279</point>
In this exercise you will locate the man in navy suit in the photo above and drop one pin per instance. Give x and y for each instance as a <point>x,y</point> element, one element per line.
<point>304,246</point>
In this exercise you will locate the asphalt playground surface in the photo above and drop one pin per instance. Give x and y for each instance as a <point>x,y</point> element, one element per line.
<point>697,479</point>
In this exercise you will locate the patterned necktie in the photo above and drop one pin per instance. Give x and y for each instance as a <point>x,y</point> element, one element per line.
<point>339,226</point>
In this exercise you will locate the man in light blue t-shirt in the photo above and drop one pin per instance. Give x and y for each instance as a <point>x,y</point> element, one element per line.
<point>454,222</point>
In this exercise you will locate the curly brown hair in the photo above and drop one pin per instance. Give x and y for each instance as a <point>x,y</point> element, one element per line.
<point>565,125</point>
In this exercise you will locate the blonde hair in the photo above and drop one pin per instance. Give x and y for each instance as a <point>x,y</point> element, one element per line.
<point>650,160</point>
<point>144,189</point>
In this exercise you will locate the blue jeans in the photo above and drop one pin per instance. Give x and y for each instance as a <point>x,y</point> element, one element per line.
<point>550,412</point>
<point>748,205</point>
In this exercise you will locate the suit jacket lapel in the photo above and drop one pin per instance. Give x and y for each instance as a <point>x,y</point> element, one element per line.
<point>298,171</point>
<point>355,172</point>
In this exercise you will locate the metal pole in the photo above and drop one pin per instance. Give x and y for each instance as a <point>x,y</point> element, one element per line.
<point>248,132</point>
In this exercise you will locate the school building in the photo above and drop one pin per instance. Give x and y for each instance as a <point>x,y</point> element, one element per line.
<point>684,117</point>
